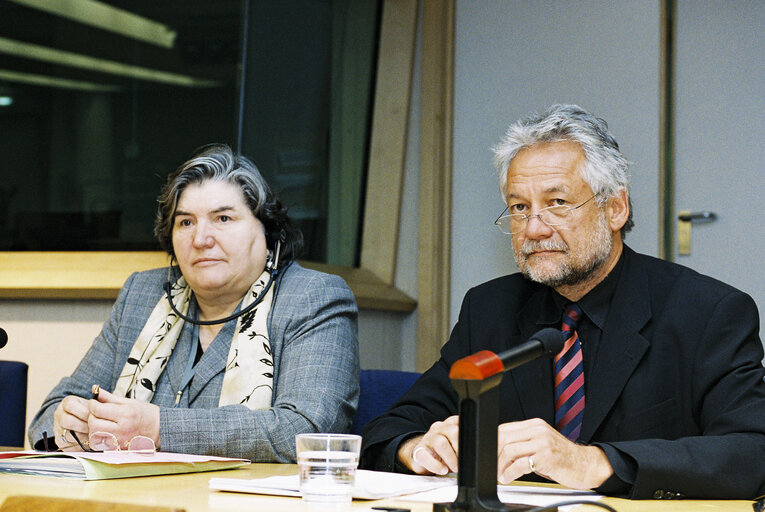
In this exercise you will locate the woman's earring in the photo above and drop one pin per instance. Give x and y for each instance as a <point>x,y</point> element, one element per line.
<point>270,259</point>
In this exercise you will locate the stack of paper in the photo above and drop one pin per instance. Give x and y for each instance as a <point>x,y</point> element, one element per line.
<point>369,485</point>
<point>100,466</point>
<point>374,485</point>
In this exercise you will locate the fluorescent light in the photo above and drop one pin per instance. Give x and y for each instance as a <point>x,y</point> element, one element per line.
<point>49,81</point>
<point>76,60</point>
<point>6,101</point>
<point>106,17</point>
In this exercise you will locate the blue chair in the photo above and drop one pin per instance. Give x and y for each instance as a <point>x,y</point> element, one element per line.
<point>13,402</point>
<point>378,390</point>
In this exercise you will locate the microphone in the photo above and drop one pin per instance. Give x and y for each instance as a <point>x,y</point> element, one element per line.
<point>485,363</point>
<point>3,337</point>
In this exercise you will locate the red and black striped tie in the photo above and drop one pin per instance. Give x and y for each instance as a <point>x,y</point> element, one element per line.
<point>569,378</point>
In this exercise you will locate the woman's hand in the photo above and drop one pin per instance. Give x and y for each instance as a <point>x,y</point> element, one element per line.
<point>125,418</point>
<point>71,415</point>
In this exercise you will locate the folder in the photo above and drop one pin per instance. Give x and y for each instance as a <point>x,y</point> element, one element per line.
<point>114,464</point>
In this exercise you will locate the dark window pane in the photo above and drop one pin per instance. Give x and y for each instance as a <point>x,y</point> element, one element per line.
<point>93,117</point>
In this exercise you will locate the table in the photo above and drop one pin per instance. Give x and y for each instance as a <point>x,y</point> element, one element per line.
<point>191,492</point>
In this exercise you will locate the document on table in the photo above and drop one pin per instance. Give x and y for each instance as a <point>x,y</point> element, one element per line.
<point>375,485</point>
<point>369,485</point>
<point>106,465</point>
<point>538,496</point>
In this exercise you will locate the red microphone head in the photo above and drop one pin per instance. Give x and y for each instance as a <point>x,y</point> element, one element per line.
<point>478,366</point>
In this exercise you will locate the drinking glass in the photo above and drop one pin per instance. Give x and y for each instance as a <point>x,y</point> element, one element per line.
<point>327,464</point>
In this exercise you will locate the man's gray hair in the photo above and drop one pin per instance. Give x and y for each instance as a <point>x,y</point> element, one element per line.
<point>606,170</point>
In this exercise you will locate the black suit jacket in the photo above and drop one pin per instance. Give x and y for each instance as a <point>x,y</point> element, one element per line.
<point>676,387</point>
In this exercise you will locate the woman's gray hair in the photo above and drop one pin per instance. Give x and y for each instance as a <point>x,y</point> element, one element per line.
<point>217,162</point>
<point>606,170</point>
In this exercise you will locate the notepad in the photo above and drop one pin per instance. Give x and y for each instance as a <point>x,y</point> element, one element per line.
<point>106,465</point>
<point>369,485</point>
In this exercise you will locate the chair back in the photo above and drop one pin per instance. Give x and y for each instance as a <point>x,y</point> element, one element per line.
<point>13,402</point>
<point>378,389</point>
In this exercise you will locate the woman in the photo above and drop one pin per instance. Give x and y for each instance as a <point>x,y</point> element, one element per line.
<point>189,362</point>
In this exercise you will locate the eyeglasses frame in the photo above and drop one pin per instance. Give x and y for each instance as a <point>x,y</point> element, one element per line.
<point>527,218</point>
<point>91,450</point>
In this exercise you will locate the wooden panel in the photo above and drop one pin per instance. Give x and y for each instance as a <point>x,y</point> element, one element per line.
<point>370,291</point>
<point>666,157</point>
<point>71,275</point>
<point>100,275</point>
<point>388,143</point>
<point>434,262</point>
<point>48,504</point>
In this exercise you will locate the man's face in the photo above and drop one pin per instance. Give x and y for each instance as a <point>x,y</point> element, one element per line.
<point>564,255</point>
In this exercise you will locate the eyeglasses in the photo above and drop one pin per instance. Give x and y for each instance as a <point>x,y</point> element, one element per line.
<point>108,442</point>
<point>513,223</point>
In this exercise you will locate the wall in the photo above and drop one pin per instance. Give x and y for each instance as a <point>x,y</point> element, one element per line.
<point>513,58</point>
<point>51,337</point>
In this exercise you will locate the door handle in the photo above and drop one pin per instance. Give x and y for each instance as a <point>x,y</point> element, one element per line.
<point>697,217</point>
<point>684,221</point>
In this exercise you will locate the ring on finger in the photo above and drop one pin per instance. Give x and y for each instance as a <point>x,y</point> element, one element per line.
<point>63,436</point>
<point>532,466</point>
<point>416,450</point>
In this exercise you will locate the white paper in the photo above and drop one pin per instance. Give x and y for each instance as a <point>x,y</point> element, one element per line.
<point>374,485</point>
<point>369,485</point>
<point>520,494</point>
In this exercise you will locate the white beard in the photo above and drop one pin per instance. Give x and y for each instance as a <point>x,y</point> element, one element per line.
<point>577,267</point>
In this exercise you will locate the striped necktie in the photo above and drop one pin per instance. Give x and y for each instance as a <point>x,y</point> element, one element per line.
<point>569,378</point>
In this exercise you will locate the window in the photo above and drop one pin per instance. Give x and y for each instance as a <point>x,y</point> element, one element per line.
<point>91,273</point>
<point>100,100</point>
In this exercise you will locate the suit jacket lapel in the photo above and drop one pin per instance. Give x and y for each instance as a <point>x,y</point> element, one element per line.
<point>176,365</point>
<point>620,349</point>
<point>534,379</point>
<point>213,361</point>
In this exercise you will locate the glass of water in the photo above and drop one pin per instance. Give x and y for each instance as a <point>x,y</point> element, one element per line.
<point>327,464</point>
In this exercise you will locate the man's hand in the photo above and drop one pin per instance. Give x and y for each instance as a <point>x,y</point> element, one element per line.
<point>434,452</point>
<point>523,445</point>
<point>71,415</point>
<point>125,418</point>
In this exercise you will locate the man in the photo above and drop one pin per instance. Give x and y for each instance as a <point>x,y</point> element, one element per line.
<point>658,391</point>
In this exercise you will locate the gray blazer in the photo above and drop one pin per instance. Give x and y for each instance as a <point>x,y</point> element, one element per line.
<point>314,340</point>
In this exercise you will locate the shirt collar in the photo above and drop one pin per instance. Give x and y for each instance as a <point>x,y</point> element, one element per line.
<point>595,304</point>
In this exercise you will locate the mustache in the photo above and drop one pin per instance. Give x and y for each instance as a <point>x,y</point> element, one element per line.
<point>531,246</point>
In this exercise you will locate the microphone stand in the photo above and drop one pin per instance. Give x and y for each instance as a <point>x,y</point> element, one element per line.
<point>477,458</point>
<point>476,380</point>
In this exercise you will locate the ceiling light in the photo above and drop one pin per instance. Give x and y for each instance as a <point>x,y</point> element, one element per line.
<point>106,17</point>
<point>6,101</point>
<point>49,81</point>
<point>76,60</point>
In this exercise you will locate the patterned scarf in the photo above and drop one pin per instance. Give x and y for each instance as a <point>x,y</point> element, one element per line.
<point>250,367</point>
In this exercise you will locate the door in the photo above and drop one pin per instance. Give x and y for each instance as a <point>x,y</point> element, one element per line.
<point>720,139</point>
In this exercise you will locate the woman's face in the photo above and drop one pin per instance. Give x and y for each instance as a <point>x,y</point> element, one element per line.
<point>219,244</point>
